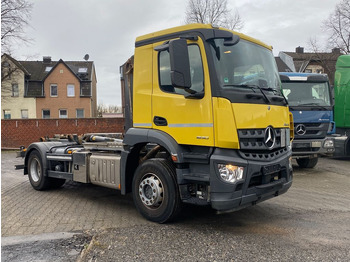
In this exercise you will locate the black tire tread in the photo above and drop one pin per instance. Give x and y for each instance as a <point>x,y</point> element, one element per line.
<point>170,169</point>
<point>307,162</point>
<point>43,182</point>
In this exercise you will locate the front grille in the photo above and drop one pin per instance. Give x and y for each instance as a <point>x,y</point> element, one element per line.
<point>313,130</point>
<point>305,149</point>
<point>253,139</point>
<point>263,156</point>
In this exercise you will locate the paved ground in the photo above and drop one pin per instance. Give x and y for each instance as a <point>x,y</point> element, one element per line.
<point>308,223</point>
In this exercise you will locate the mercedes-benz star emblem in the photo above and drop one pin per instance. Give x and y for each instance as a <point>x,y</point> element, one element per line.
<point>270,137</point>
<point>300,130</point>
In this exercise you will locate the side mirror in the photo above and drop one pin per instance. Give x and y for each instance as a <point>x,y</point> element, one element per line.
<point>179,63</point>
<point>332,95</point>
<point>232,41</point>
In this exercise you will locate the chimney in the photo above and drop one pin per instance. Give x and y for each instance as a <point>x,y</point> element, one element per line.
<point>336,50</point>
<point>47,59</point>
<point>299,50</point>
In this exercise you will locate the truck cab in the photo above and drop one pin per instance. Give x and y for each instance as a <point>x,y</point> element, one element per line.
<point>206,123</point>
<point>310,99</point>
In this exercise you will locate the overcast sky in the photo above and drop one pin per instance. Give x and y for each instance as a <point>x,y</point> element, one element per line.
<point>106,29</point>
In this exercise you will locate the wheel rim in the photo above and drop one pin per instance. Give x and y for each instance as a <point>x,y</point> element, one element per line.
<point>35,170</point>
<point>151,191</point>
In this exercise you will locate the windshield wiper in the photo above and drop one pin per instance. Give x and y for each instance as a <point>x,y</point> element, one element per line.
<point>314,104</point>
<point>253,87</point>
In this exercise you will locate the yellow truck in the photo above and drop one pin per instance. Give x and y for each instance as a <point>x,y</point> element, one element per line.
<point>206,123</point>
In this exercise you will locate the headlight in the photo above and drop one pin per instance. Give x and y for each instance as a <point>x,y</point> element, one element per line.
<point>230,173</point>
<point>329,143</point>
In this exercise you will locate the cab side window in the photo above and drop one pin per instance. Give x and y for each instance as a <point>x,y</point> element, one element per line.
<point>196,67</point>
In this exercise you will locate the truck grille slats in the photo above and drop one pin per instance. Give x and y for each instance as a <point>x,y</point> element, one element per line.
<point>264,156</point>
<point>253,139</point>
<point>310,130</point>
<point>254,143</point>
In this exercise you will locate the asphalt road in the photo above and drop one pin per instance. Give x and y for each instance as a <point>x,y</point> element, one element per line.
<point>311,222</point>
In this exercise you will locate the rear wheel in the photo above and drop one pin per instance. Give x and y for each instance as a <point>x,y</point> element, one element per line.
<point>307,162</point>
<point>36,172</point>
<point>155,191</point>
<point>37,178</point>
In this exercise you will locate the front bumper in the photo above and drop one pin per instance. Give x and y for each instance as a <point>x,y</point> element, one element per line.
<point>306,147</point>
<point>261,180</point>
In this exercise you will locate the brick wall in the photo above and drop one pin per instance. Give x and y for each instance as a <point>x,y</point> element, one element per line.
<point>23,132</point>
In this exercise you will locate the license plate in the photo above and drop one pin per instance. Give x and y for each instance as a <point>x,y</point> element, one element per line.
<point>271,169</point>
<point>301,145</point>
<point>316,144</point>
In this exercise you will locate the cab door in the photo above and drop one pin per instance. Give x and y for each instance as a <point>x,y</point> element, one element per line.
<point>183,113</point>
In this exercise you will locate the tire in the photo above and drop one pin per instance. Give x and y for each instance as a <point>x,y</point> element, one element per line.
<point>36,172</point>
<point>155,191</point>
<point>307,162</point>
<point>56,182</point>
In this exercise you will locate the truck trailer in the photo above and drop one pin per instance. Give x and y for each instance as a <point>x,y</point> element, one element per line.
<point>342,106</point>
<point>310,99</point>
<point>205,123</point>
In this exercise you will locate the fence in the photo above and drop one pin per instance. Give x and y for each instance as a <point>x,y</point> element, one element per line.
<point>23,132</point>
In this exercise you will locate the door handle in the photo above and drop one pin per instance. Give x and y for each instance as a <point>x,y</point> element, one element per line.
<point>160,121</point>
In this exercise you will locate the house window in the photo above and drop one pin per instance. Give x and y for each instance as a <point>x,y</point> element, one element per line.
<point>24,113</point>
<point>70,90</point>
<point>7,114</point>
<point>82,70</point>
<point>80,113</point>
<point>53,90</point>
<point>46,113</point>
<point>15,90</point>
<point>85,89</point>
<point>63,113</point>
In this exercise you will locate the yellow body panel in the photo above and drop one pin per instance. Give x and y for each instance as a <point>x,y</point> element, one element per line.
<point>143,83</point>
<point>225,124</point>
<point>291,127</point>
<point>260,116</point>
<point>230,117</point>
<point>190,121</point>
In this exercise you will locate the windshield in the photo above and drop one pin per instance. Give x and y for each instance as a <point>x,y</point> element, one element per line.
<point>306,93</point>
<point>245,65</point>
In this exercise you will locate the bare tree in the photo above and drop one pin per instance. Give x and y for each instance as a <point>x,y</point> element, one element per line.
<point>15,16</point>
<point>213,12</point>
<point>323,57</point>
<point>102,108</point>
<point>338,25</point>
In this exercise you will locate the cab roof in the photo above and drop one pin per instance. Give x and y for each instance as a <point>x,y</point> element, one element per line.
<point>343,61</point>
<point>186,29</point>
<point>306,77</point>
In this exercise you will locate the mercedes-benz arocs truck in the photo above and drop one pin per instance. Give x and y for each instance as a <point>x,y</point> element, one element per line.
<point>310,100</point>
<point>206,124</point>
<point>342,106</point>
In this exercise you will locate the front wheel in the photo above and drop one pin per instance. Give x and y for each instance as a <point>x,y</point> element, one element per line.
<point>307,162</point>
<point>155,191</point>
